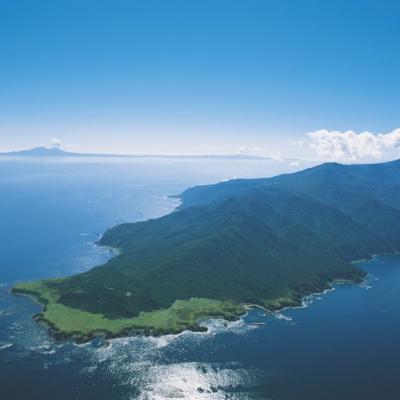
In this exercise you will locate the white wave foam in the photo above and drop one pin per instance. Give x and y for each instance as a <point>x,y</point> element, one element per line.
<point>5,313</point>
<point>161,341</point>
<point>4,345</point>
<point>367,282</point>
<point>89,370</point>
<point>283,317</point>
<point>215,326</point>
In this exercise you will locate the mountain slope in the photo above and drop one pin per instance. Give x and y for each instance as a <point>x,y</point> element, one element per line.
<point>242,250</point>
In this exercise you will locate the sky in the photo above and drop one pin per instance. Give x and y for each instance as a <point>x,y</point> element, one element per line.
<point>282,78</point>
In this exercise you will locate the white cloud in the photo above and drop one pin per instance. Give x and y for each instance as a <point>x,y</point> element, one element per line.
<point>259,151</point>
<point>391,139</point>
<point>350,145</point>
<point>250,150</point>
<point>276,156</point>
<point>56,143</point>
<point>298,143</point>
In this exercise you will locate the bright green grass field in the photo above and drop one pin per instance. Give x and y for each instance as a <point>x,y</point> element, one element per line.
<point>183,314</point>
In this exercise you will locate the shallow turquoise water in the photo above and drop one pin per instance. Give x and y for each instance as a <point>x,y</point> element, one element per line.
<point>343,345</point>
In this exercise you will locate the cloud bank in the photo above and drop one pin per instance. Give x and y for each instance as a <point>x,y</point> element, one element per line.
<point>350,145</point>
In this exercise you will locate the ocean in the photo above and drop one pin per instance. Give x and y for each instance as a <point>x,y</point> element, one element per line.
<point>342,344</point>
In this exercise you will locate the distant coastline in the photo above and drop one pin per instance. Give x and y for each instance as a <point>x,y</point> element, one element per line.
<point>58,152</point>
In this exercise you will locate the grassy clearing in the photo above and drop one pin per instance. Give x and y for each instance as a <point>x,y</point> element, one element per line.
<point>67,321</point>
<point>342,281</point>
<point>282,302</point>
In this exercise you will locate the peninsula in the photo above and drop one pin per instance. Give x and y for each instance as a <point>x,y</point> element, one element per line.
<point>266,242</point>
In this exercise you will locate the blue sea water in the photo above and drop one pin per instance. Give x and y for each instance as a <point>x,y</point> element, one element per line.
<point>343,345</point>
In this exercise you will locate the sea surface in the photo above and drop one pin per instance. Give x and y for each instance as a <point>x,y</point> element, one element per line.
<point>344,344</point>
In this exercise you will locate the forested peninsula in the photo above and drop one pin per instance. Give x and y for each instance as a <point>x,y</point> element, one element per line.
<point>265,242</point>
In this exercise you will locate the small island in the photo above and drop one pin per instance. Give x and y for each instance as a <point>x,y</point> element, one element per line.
<point>230,246</point>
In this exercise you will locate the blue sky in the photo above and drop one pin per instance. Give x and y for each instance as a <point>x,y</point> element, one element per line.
<point>202,76</point>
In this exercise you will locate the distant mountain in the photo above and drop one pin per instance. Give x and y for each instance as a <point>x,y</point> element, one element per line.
<point>40,152</point>
<point>57,152</point>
